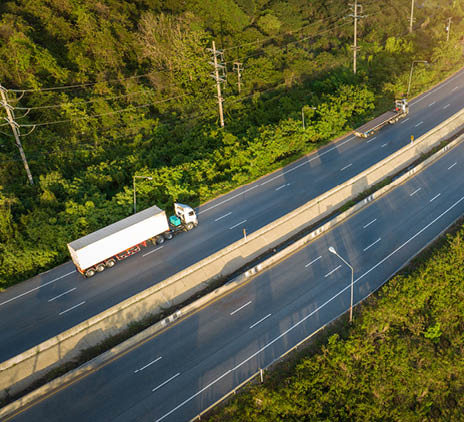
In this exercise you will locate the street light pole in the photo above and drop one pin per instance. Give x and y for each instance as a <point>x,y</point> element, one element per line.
<point>412,16</point>
<point>133,180</point>
<point>410,73</point>
<point>332,250</point>
<point>302,113</point>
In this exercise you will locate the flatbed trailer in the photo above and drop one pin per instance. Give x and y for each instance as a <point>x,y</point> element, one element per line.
<point>390,117</point>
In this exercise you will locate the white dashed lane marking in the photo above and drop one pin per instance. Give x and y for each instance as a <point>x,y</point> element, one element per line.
<point>331,272</point>
<point>372,244</point>
<point>224,216</point>
<point>368,224</point>
<point>238,224</point>
<point>417,190</point>
<point>435,197</point>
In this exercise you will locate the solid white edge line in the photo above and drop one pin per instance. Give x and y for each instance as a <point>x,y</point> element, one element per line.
<point>165,382</point>
<point>71,308</point>
<point>297,324</point>
<point>435,197</point>
<point>331,272</point>
<point>195,395</point>
<point>417,190</point>
<point>368,224</point>
<point>36,288</point>
<point>62,294</point>
<point>224,216</point>
<point>372,244</point>
<point>147,365</point>
<point>228,199</point>
<point>440,86</point>
<point>241,307</point>
<point>154,250</point>
<point>261,320</point>
<point>238,224</point>
<point>313,261</point>
<point>422,98</point>
<point>316,156</point>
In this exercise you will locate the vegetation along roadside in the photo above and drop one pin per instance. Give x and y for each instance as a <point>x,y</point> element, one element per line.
<point>109,89</point>
<point>401,360</point>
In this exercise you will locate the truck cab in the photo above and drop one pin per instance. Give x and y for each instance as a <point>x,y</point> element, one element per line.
<point>185,216</point>
<point>402,106</point>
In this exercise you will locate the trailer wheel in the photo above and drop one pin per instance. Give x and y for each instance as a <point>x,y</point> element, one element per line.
<point>100,267</point>
<point>90,273</point>
<point>159,240</point>
<point>189,226</point>
<point>110,263</point>
<point>168,236</point>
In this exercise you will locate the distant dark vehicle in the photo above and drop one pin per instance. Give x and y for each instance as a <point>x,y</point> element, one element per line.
<point>401,110</point>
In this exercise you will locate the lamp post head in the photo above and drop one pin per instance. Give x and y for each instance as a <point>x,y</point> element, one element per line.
<point>332,250</point>
<point>142,177</point>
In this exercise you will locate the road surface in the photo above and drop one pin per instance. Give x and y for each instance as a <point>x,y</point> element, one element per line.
<point>38,309</point>
<point>183,370</point>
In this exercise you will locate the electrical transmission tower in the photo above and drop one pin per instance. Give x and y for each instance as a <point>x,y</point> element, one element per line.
<point>218,68</point>
<point>355,7</point>
<point>15,128</point>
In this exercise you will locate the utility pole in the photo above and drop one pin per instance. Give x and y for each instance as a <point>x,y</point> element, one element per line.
<point>448,28</point>
<point>239,74</point>
<point>355,37</point>
<point>412,16</point>
<point>218,79</point>
<point>15,128</point>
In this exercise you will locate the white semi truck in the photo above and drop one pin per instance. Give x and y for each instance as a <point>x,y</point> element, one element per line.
<point>102,249</point>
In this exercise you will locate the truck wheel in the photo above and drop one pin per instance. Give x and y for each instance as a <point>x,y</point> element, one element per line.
<point>110,263</point>
<point>100,267</point>
<point>189,226</point>
<point>159,240</point>
<point>168,236</point>
<point>90,273</point>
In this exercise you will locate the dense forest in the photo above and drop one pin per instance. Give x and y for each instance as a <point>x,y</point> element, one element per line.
<point>400,361</point>
<point>103,90</point>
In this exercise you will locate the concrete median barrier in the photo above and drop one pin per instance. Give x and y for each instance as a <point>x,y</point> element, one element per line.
<point>18,373</point>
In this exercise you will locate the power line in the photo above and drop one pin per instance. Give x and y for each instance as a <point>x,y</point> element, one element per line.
<point>83,102</point>
<point>94,116</point>
<point>84,85</point>
<point>334,26</point>
<point>283,34</point>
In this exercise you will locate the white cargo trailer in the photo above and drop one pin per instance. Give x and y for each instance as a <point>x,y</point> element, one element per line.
<point>103,248</point>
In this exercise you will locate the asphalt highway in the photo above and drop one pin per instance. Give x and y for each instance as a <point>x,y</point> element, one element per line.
<point>183,370</point>
<point>45,305</point>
